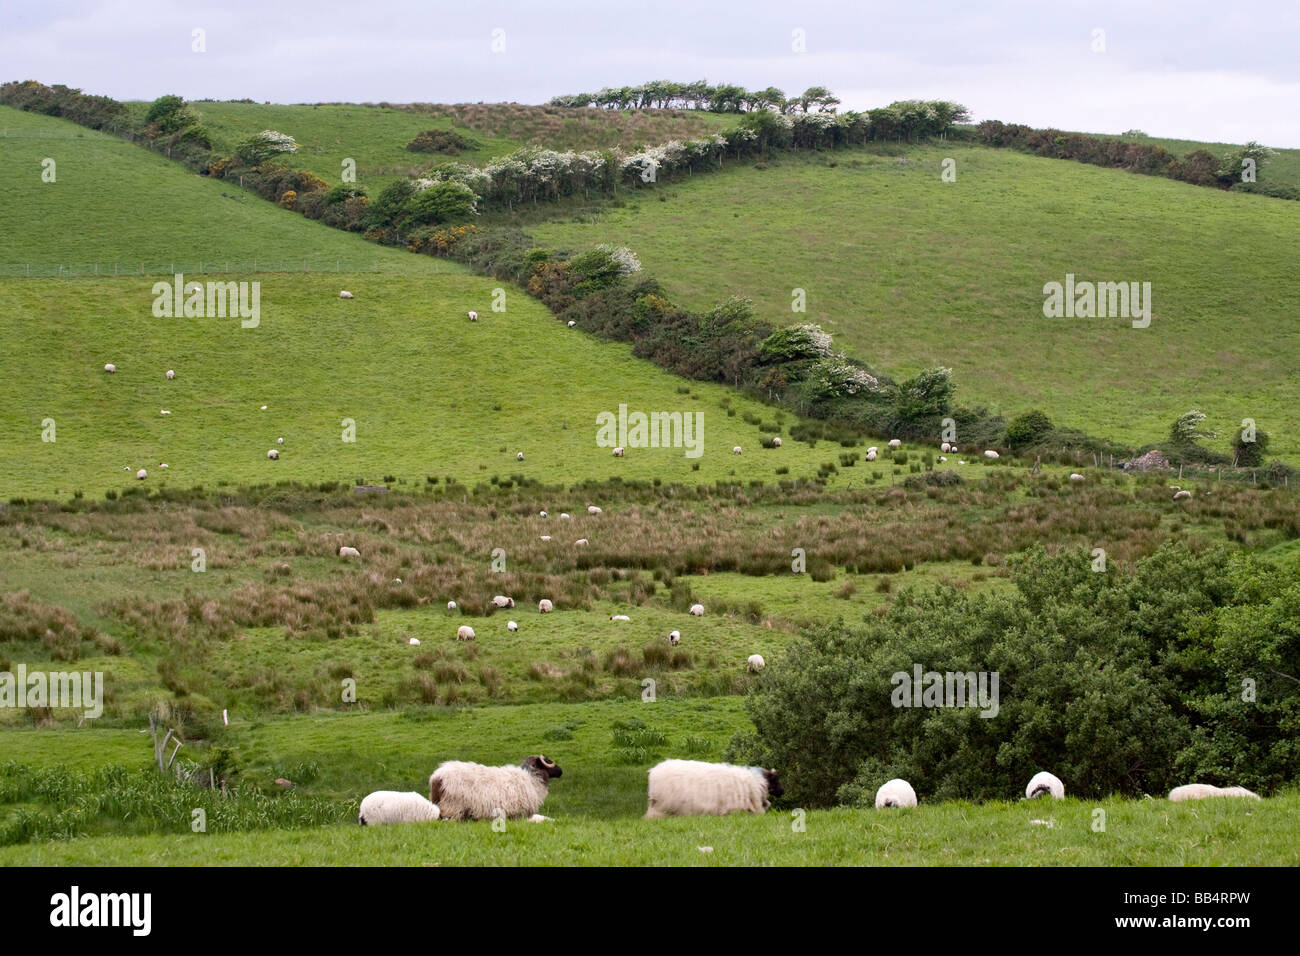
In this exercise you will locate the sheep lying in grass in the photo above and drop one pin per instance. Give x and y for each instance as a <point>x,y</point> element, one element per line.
<point>464,633</point>
<point>544,606</point>
<point>414,642</point>
<point>1075,476</point>
<point>895,793</point>
<point>273,454</point>
<point>345,294</point>
<point>471,791</point>
<point>546,537</point>
<point>502,601</point>
<point>392,806</point>
<point>618,452</point>
<point>1045,784</point>
<point>1200,791</point>
<point>593,510</point>
<point>674,638</point>
<point>1182,494</point>
<point>619,617</point>
<point>346,552</point>
<point>991,455</point>
<point>565,514</point>
<point>582,542</point>
<point>688,788</point>
<point>755,663</point>
<point>697,610</point>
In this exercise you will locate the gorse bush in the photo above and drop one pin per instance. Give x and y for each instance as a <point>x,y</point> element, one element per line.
<point>1118,682</point>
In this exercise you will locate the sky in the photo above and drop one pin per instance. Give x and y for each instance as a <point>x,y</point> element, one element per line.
<point>1220,72</point>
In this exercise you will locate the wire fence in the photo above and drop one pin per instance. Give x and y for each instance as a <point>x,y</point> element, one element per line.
<point>75,270</point>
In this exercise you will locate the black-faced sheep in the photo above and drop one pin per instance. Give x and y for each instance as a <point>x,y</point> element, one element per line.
<point>1045,784</point>
<point>686,788</point>
<point>471,791</point>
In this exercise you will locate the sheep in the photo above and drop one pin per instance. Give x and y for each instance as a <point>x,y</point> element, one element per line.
<point>945,447</point>
<point>346,552</point>
<point>776,442</point>
<point>473,316</point>
<point>541,514</point>
<point>502,601</point>
<point>163,465</point>
<point>943,458</point>
<point>273,455</point>
<point>572,323</point>
<point>895,793</point>
<point>755,663</point>
<point>895,443</point>
<point>544,606</point>
<point>687,788</point>
<point>391,806</point>
<point>519,457</point>
<point>263,408</point>
<point>874,449</point>
<point>1045,783</point>
<point>471,791</point>
<point>582,542</point>
<point>1075,476</point>
<point>954,449</point>
<point>279,441</point>
<point>619,617</point>
<point>451,605</point>
<point>991,455</point>
<point>618,452</point>
<point>674,638</point>
<point>171,374</point>
<point>512,626</point>
<point>110,368</point>
<point>871,454</point>
<point>697,610</point>
<point>565,514</point>
<point>414,642</point>
<point>593,510</point>
<point>142,474</point>
<point>546,537</point>
<point>345,294</point>
<point>1199,791</point>
<point>736,449</point>
<point>1182,494</point>
<point>464,633</point>
<point>163,411</point>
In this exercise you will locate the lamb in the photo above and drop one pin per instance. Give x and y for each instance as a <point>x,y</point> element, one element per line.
<point>619,617</point>
<point>171,374</point>
<point>618,452</point>
<point>895,443</point>
<point>110,368</point>
<point>451,605</point>
<point>142,474</point>
<point>519,457</point>
<point>572,323</point>
<point>544,606</point>
<point>736,449</point>
<point>345,294</point>
<point>686,788</point>
<point>473,316</point>
<point>991,455</point>
<point>697,610</point>
<point>391,806</point>
<point>943,458</point>
<point>674,638</point>
<point>1045,783</point>
<point>1199,791</point>
<point>1075,476</point>
<point>564,514</point>
<point>346,552</point>
<point>945,448</point>
<point>273,455</point>
<point>471,791</point>
<point>502,601</point>
<point>464,633</point>
<point>593,510</point>
<point>1182,494</point>
<point>776,442</point>
<point>755,663</point>
<point>512,626</point>
<point>895,793</point>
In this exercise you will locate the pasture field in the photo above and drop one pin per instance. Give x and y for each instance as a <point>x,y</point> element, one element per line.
<point>908,272</point>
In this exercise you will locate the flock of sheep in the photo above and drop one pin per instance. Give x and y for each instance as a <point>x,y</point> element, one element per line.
<point>899,793</point>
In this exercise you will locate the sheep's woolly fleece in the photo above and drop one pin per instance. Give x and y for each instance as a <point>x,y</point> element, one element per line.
<point>1200,791</point>
<point>895,793</point>
<point>392,806</point>
<point>1045,784</point>
<point>471,791</point>
<point>685,788</point>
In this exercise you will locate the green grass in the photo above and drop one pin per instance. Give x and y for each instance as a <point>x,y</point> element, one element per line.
<point>908,272</point>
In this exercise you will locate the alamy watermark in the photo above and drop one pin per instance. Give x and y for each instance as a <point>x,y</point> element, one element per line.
<point>75,690</point>
<point>652,430</point>
<point>947,689</point>
<point>213,300</point>
<point>1101,300</point>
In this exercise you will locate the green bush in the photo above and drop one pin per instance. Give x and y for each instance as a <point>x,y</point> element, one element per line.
<point>1031,428</point>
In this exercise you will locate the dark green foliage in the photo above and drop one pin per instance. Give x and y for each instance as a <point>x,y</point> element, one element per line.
<point>1031,428</point>
<point>441,141</point>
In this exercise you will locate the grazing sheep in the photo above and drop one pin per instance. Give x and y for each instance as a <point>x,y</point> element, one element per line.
<point>895,793</point>
<point>273,455</point>
<point>263,408</point>
<point>471,791</point>
<point>895,443</point>
<point>871,454</point>
<point>945,448</point>
<point>593,510</point>
<point>519,457</point>
<point>697,610</point>
<point>464,633</point>
<point>142,474</point>
<point>582,542</point>
<point>961,462</point>
<point>776,442</point>
<point>1045,783</point>
<point>674,638</point>
<point>619,617</point>
<point>1182,494</point>
<point>170,374</point>
<point>1075,476</point>
<point>345,294</point>
<point>473,316</point>
<point>736,449</point>
<point>873,450</point>
<point>392,806</point>
<point>279,441</point>
<point>618,452</point>
<point>346,552</point>
<point>541,514</point>
<point>414,642</point>
<point>512,626</point>
<point>502,601</point>
<point>546,537</point>
<point>688,788</point>
<point>755,663</point>
<point>451,605</point>
<point>163,465</point>
<point>991,455</point>
<point>564,514</point>
<point>544,606</point>
<point>163,411</point>
<point>942,458</point>
<point>110,368</point>
<point>572,323</point>
<point>1199,791</point>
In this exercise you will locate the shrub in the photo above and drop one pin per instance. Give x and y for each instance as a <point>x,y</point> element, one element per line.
<point>1031,428</point>
<point>441,141</point>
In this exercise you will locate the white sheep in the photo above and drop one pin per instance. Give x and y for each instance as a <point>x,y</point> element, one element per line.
<point>392,806</point>
<point>1182,494</point>
<point>163,465</point>
<point>618,452</point>
<point>674,638</point>
<point>755,663</point>
<point>593,510</point>
<point>895,443</point>
<point>414,642</point>
<point>776,442</point>
<point>564,514</point>
<point>546,537</point>
<point>736,449</point>
<point>895,793</point>
<point>541,514</point>
<point>871,454</point>
<point>697,610</point>
<point>687,788</point>
<point>279,441</point>
<point>1045,783</point>
<point>142,474</point>
<point>1200,791</point>
<point>346,552</point>
<point>171,374</point>
<point>471,791</point>
<point>544,606</point>
<point>572,323</point>
<point>943,458</point>
<point>512,625</point>
<point>991,455</point>
<point>464,633</point>
<point>619,617</point>
<point>519,457</point>
<point>582,542</point>
<point>163,411</point>
<point>502,601</point>
<point>345,294</point>
<point>110,368</point>
<point>451,605</point>
<point>1075,476</point>
<point>945,447</point>
<point>273,454</point>
<point>473,316</point>
<point>873,449</point>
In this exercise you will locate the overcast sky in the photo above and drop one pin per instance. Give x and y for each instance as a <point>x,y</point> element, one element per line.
<point>1221,71</point>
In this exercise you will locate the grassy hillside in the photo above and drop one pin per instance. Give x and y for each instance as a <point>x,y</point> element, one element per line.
<point>908,271</point>
<point>1283,168</point>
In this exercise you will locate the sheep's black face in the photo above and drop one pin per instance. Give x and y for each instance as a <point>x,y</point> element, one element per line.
<point>542,766</point>
<point>774,788</point>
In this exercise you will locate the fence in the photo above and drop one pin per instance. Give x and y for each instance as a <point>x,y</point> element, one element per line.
<point>37,270</point>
